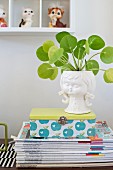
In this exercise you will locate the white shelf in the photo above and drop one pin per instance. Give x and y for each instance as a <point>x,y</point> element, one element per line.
<point>40,20</point>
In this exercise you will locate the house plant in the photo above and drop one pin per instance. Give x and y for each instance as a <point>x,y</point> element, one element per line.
<point>78,67</point>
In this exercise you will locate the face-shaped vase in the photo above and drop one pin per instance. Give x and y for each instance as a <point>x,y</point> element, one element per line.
<point>77,87</point>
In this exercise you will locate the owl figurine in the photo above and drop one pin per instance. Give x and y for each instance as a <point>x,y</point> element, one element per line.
<point>26,20</point>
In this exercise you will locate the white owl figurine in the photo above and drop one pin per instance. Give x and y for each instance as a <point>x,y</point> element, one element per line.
<point>27,15</point>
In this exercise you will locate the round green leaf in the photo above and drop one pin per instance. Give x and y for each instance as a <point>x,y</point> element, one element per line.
<point>79,52</point>
<point>45,71</point>
<point>56,55</point>
<point>47,44</point>
<point>105,78</point>
<point>107,55</point>
<point>55,73</point>
<point>68,43</point>
<point>81,43</point>
<point>52,51</point>
<point>96,42</point>
<point>65,58</point>
<point>108,75</point>
<point>60,35</point>
<point>93,66</point>
<point>41,54</point>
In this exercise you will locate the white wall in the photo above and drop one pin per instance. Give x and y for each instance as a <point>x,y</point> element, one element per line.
<point>20,87</point>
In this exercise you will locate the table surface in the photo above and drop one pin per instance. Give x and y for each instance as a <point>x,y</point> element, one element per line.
<point>65,168</point>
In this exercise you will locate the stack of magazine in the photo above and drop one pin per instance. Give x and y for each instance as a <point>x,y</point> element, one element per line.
<point>51,151</point>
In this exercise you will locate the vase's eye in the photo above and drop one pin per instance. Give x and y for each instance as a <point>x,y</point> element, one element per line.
<point>76,86</point>
<point>53,12</point>
<point>25,11</point>
<point>31,11</point>
<point>3,13</point>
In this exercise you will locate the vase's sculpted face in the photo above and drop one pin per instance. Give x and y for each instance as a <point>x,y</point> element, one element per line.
<point>74,85</point>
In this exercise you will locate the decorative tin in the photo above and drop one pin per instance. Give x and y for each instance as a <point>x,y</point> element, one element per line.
<point>55,123</point>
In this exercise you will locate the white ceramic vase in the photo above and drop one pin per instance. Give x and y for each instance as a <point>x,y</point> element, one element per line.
<point>77,88</point>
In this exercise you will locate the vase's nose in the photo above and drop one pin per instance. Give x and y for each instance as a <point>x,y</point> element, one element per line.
<point>70,88</point>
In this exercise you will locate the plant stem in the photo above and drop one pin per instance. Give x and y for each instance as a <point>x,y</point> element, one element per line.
<point>81,64</point>
<point>63,60</point>
<point>78,59</point>
<point>69,64</point>
<point>102,70</point>
<point>82,60</point>
<point>75,61</point>
<point>78,63</point>
<point>64,57</point>
<point>89,60</point>
<point>93,56</point>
